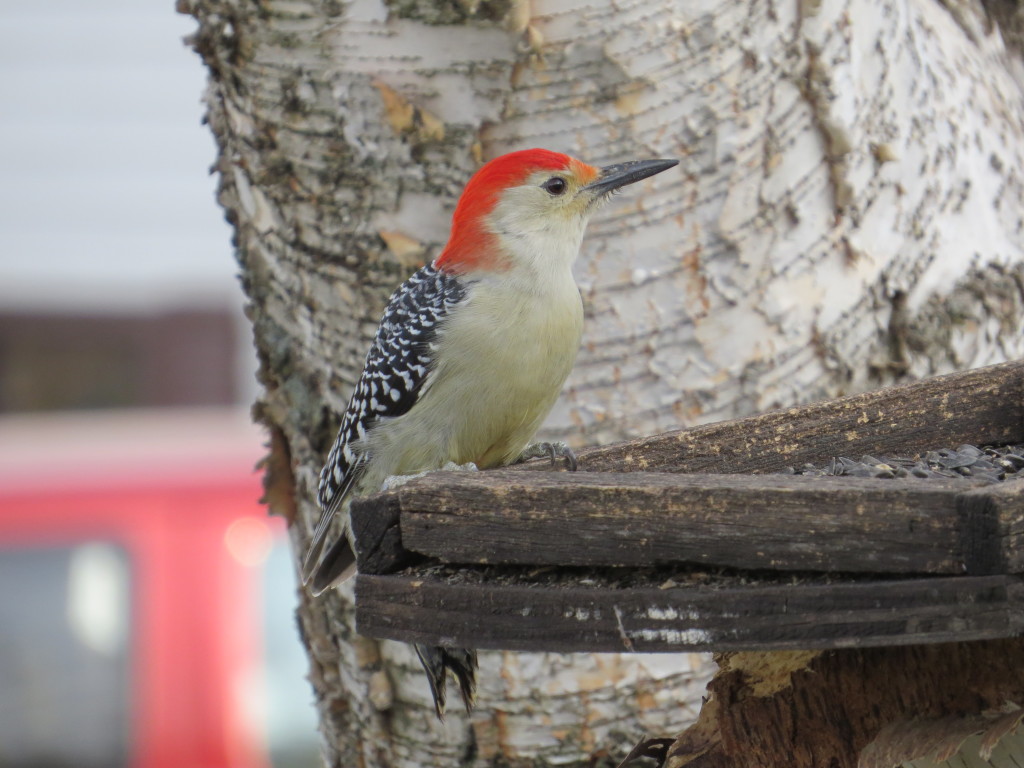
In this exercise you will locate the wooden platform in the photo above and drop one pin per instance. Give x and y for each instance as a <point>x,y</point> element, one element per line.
<point>664,544</point>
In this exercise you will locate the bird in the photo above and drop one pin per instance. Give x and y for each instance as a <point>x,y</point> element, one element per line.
<point>471,353</point>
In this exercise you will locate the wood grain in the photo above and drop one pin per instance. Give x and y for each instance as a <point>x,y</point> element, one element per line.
<point>981,406</point>
<point>676,513</point>
<point>994,522</point>
<point>777,522</point>
<point>377,535</point>
<point>570,617</point>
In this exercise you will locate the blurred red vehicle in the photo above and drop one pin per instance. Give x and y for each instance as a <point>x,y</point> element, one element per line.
<point>146,598</point>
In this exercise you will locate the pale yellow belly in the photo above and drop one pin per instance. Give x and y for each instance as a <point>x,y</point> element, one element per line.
<point>502,366</point>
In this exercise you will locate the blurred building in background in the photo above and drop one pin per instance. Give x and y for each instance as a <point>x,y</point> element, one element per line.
<point>117,283</point>
<point>147,615</point>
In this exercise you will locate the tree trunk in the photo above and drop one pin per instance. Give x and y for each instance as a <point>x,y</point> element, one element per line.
<point>858,708</point>
<point>848,210</point>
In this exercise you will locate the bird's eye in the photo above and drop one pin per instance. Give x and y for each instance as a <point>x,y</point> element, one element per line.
<point>555,186</point>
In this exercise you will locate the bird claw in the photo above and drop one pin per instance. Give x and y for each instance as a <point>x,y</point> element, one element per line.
<point>437,662</point>
<point>555,451</point>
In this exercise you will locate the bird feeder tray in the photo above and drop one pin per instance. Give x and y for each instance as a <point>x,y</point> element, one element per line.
<point>695,540</point>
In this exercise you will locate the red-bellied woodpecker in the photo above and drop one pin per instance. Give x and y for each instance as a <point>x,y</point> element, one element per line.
<point>472,351</point>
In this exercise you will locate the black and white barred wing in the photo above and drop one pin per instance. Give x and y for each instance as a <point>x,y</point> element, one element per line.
<point>397,366</point>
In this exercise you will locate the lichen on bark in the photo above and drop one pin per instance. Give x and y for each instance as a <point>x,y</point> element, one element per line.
<point>437,12</point>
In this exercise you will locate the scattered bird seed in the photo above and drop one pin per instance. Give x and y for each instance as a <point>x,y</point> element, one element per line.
<point>990,463</point>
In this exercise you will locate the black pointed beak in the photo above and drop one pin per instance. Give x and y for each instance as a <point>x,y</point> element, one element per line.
<point>614,176</point>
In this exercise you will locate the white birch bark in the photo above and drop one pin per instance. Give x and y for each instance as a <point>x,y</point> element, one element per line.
<point>848,210</point>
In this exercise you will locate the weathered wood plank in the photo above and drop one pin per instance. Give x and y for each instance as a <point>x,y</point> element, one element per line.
<point>377,534</point>
<point>982,406</point>
<point>529,616</point>
<point>780,522</point>
<point>994,520</point>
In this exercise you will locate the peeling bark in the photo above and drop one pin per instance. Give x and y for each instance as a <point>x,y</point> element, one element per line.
<point>848,210</point>
<point>806,710</point>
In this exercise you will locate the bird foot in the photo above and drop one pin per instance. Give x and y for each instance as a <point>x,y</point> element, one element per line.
<point>397,481</point>
<point>437,662</point>
<point>555,451</point>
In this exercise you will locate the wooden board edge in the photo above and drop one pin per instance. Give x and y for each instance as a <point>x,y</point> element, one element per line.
<point>735,445</point>
<point>994,521</point>
<point>376,530</point>
<point>576,619</point>
<point>475,518</point>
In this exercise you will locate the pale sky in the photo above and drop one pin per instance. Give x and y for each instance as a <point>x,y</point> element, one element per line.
<point>105,198</point>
